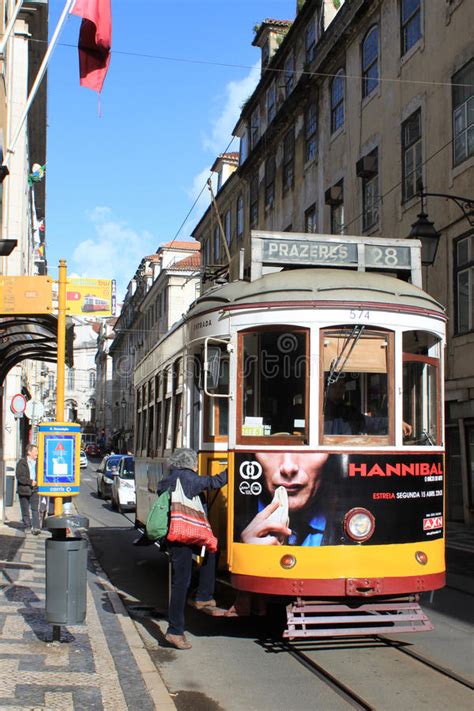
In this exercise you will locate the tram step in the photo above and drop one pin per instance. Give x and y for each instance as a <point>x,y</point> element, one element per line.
<point>342,620</point>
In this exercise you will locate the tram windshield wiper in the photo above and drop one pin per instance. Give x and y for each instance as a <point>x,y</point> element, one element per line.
<point>337,366</point>
<point>428,437</point>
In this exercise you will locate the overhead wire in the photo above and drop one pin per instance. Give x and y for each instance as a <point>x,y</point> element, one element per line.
<point>270,70</point>
<point>280,71</point>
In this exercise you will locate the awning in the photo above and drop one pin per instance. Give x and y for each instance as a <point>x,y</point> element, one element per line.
<point>33,337</point>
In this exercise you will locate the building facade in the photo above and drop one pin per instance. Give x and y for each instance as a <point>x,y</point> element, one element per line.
<point>80,380</point>
<point>103,388</point>
<point>358,105</point>
<point>163,287</point>
<point>22,212</point>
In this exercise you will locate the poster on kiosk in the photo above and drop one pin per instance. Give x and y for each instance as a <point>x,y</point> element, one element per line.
<point>58,458</point>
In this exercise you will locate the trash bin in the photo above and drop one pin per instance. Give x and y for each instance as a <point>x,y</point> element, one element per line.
<point>9,490</point>
<point>66,572</point>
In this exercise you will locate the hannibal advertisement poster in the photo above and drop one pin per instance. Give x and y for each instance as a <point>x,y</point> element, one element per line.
<point>304,498</point>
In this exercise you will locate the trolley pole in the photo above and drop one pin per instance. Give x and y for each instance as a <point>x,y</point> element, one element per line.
<point>62,285</point>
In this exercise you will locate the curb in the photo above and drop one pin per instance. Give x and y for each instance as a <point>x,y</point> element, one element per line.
<point>151,676</point>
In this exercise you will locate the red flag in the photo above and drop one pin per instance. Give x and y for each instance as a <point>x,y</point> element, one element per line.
<point>95,41</point>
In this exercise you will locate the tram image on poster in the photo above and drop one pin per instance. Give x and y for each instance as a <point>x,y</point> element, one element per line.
<point>59,458</point>
<point>302,498</point>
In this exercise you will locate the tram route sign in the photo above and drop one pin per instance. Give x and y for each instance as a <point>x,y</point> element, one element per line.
<point>58,458</point>
<point>361,253</point>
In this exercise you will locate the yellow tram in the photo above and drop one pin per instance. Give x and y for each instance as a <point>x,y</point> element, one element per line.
<point>318,382</point>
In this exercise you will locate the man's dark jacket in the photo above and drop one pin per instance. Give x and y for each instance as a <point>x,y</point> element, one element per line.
<point>24,483</point>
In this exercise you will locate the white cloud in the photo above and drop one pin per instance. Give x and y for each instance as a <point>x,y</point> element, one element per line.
<point>114,251</point>
<point>236,93</point>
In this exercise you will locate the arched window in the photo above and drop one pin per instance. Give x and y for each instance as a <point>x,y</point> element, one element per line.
<point>370,61</point>
<point>92,379</point>
<point>337,101</point>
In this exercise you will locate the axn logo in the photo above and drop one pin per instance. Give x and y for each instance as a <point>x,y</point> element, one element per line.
<point>432,523</point>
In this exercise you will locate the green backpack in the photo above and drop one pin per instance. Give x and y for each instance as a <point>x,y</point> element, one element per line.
<point>158,520</point>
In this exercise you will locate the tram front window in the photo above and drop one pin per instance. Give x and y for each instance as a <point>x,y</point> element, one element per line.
<point>274,383</point>
<point>421,352</point>
<point>357,374</point>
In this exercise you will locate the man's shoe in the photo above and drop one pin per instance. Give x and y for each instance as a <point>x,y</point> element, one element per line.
<point>201,604</point>
<point>178,641</point>
<point>35,531</point>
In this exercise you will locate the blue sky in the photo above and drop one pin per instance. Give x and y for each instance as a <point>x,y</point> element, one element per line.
<point>121,184</point>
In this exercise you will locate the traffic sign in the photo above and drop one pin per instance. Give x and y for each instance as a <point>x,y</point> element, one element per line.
<point>34,410</point>
<point>18,404</point>
<point>58,458</point>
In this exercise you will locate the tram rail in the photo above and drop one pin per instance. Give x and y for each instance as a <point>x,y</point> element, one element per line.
<point>341,689</point>
<point>402,647</point>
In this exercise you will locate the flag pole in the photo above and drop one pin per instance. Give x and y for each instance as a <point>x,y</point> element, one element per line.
<point>38,80</point>
<point>9,27</point>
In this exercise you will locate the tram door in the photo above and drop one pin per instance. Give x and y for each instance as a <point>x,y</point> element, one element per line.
<point>212,464</point>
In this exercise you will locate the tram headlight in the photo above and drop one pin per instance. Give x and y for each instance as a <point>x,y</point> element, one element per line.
<point>288,561</point>
<point>359,524</point>
<point>421,557</point>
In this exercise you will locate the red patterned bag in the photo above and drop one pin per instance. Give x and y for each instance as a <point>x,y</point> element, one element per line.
<point>188,521</point>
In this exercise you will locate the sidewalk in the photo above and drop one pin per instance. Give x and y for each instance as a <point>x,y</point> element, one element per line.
<point>102,664</point>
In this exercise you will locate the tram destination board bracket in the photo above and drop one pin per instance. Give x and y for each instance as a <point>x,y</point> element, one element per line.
<point>280,249</point>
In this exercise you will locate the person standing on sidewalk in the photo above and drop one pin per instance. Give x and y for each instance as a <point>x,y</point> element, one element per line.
<point>27,486</point>
<point>183,466</point>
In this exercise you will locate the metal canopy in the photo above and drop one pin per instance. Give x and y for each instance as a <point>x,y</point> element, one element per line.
<point>33,337</point>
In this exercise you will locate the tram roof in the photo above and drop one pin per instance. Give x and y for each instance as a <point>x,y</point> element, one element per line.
<point>299,285</point>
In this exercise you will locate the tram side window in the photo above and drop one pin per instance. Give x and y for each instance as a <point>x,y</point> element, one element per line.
<point>144,430</point>
<point>167,425</point>
<point>178,421</point>
<point>421,390</point>
<point>168,412</point>
<point>137,429</point>
<point>158,405</point>
<point>274,383</point>
<point>357,387</point>
<point>151,422</point>
<point>216,409</point>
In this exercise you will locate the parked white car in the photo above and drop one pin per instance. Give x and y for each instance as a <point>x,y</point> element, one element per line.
<point>106,473</point>
<point>83,462</point>
<point>123,496</point>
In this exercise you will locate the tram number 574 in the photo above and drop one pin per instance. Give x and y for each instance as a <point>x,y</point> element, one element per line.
<point>359,314</point>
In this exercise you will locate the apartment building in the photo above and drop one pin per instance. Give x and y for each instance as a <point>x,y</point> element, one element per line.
<point>164,286</point>
<point>22,215</point>
<point>358,105</point>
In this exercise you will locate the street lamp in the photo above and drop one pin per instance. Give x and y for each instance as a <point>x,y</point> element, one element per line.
<point>424,230</point>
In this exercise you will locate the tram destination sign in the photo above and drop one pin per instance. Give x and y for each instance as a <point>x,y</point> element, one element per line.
<point>295,251</point>
<point>283,251</point>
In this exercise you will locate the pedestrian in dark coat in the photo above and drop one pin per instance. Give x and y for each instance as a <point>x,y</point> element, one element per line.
<point>27,487</point>
<point>183,466</point>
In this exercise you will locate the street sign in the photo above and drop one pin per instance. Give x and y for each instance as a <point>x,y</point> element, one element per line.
<point>18,404</point>
<point>23,295</point>
<point>58,458</point>
<point>93,297</point>
<point>34,410</point>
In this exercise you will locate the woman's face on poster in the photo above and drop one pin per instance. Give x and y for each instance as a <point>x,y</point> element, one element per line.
<point>300,473</point>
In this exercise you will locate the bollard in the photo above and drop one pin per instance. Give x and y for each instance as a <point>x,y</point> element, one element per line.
<point>66,573</point>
